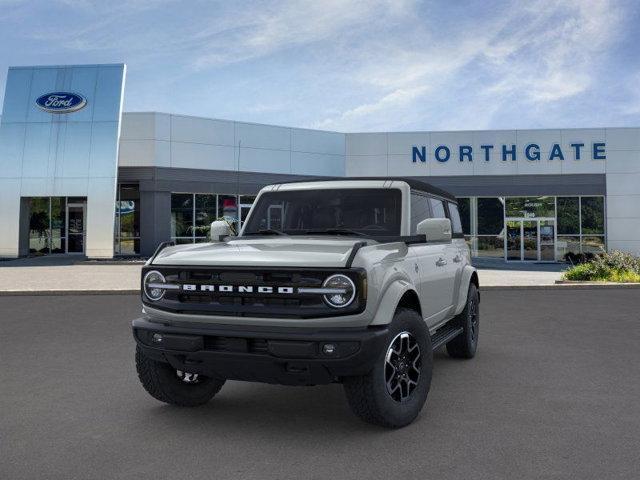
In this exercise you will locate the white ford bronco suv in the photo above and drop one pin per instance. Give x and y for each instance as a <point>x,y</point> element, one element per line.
<point>355,281</point>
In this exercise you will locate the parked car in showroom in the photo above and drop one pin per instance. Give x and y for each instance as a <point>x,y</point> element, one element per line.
<point>354,281</point>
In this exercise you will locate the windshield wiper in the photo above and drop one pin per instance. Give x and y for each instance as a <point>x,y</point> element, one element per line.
<point>335,231</point>
<point>267,231</point>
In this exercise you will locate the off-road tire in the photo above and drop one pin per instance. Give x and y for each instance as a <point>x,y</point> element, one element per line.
<point>162,383</point>
<point>368,396</point>
<point>466,344</point>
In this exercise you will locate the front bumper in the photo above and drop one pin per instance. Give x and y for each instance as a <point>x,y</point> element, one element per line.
<point>286,356</point>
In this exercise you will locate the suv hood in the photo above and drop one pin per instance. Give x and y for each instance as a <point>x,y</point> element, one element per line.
<point>263,252</point>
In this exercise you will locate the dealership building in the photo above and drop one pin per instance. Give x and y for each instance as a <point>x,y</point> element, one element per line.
<point>80,176</point>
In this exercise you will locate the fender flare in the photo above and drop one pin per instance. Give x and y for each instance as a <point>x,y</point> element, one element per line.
<point>389,301</point>
<point>467,273</point>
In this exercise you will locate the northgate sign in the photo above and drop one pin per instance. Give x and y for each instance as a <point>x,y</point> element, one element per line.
<point>531,152</point>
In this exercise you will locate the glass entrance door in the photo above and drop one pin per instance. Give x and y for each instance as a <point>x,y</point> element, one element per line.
<point>530,240</point>
<point>513,239</point>
<point>75,227</point>
<point>547,240</point>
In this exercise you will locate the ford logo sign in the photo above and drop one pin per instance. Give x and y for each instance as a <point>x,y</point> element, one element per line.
<point>61,102</point>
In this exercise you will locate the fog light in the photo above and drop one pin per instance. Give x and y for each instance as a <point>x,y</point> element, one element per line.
<point>328,349</point>
<point>157,338</point>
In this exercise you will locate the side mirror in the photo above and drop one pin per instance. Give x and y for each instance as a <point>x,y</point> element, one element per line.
<point>435,229</point>
<point>219,229</point>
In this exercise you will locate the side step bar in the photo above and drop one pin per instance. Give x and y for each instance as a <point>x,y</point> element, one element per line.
<point>444,335</point>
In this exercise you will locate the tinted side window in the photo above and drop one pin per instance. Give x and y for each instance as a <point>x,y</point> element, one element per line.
<point>419,210</point>
<point>454,214</point>
<point>437,208</point>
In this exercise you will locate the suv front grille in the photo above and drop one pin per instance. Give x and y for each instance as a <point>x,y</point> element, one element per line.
<point>288,303</point>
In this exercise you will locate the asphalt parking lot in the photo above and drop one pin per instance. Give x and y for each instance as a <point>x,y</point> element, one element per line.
<point>553,393</point>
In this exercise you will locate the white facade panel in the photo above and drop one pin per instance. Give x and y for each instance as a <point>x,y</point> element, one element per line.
<point>202,130</point>
<point>623,161</point>
<point>303,163</point>
<point>402,143</point>
<point>623,229</point>
<point>140,153</point>
<point>623,184</point>
<point>494,166</point>
<point>367,166</point>
<point>367,144</point>
<point>623,138</point>
<point>263,160</point>
<point>311,141</point>
<point>623,206</point>
<point>632,246</point>
<point>199,155</point>
<point>139,126</point>
<point>263,136</point>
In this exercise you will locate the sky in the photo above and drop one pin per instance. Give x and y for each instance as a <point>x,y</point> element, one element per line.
<point>350,65</point>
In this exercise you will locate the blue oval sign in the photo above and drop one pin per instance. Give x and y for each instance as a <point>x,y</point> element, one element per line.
<point>61,102</point>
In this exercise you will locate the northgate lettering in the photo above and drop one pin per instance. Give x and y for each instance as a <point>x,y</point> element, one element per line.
<point>531,152</point>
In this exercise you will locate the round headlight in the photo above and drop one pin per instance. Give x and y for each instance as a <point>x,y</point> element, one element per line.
<point>343,291</point>
<point>151,283</point>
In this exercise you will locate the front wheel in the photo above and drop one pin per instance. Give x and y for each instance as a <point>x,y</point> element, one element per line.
<point>172,386</point>
<point>395,390</point>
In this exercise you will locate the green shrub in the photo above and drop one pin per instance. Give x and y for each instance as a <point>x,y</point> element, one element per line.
<point>615,266</point>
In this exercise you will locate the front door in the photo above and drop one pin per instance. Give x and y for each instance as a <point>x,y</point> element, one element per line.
<point>75,227</point>
<point>530,240</point>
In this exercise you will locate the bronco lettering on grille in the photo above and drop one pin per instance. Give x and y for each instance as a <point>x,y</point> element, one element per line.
<point>190,287</point>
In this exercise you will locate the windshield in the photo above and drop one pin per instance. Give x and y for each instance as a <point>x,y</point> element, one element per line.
<point>368,212</point>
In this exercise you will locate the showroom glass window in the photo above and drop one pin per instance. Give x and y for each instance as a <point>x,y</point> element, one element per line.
<point>530,207</point>
<point>193,213</point>
<point>127,228</point>
<point>581,225</point>
<point>490,227</point>
<point>592,215</point>
<point>568,240</point>
<point>48,232</point>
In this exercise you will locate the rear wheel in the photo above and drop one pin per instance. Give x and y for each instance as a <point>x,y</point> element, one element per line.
<point>466,344</point>
<point>395,390</point>
<point>173,386</point>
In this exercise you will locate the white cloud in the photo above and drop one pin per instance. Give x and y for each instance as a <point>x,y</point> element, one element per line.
<point>534,55</point>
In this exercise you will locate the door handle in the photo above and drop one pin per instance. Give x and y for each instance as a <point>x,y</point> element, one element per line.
<point>457,259</point>
<point>441,262</point>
